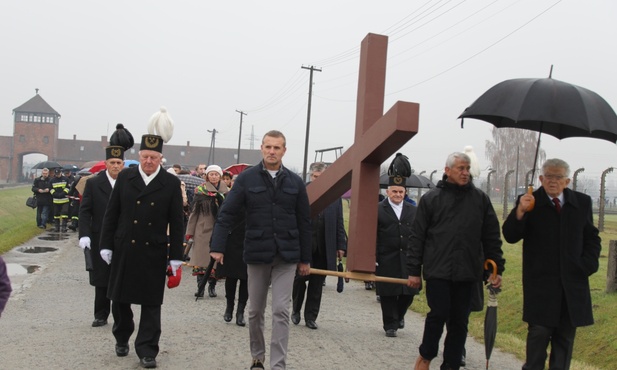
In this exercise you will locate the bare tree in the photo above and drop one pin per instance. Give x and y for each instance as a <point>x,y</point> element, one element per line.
<point>502,153</point>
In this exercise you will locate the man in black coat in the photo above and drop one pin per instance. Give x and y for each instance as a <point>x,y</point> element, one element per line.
<point>394,219</point>
<point>329,243</point>
<point>454,231</point>
<point>146,200</point>
<point>41,188</point>
<point>91,211</point>
<point>561,248</point>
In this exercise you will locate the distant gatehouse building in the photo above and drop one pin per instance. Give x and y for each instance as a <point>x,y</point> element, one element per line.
<point>35,131</point>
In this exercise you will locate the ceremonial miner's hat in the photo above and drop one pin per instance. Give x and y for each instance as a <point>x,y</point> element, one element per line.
<point>399,170</point>
<point>121,137</point>
<point>151,142</point>
<point>160,130</point>
<point>114,151</point>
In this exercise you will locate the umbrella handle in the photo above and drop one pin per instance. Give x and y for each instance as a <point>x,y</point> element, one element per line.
<point>493,265</point>
<point>531,204</point>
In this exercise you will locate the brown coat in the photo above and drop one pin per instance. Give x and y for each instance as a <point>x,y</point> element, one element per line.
<point>201,224</point>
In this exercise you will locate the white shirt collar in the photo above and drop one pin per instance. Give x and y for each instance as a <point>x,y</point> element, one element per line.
<point>561,198</point>
<point>147,178</point>
<point>112,181</point>
<point>397,208</point>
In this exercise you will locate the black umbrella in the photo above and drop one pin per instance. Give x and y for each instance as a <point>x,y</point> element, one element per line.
<point>413,181</point>
<point>340,283</point>
<point>70,167</point>
<point>202,284</point>
<point>548,106</point>
<point>490,318</point>
<point>46,164</point>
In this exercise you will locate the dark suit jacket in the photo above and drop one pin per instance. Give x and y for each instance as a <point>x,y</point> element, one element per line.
<point>334,234</point>
<point>135,229</point>
<point>91,211</point>
<point>392,241</point>
<point>560,251</point>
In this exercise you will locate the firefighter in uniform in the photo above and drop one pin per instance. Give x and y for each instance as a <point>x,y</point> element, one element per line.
<point>59,192</point>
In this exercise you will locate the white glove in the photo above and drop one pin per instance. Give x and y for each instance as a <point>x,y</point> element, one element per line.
<point>84,242</point>
<point>175,264</point>
<point>106,255</point>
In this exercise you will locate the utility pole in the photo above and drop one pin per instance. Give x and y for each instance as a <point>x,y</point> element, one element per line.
<point>308,119</point>
<point>240,134</point>
<point>252,146</point>
<point>212,144</point>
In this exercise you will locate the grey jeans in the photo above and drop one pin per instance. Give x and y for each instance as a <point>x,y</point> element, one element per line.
<point>281,276</point>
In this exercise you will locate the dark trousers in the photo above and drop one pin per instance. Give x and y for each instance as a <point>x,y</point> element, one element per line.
<point>101,303</point>
<point>42,215</point>
<point>147,340</point>
<point>561,339</point>
<point>448,301</point>
<point>393,310</point>
<point>61,211</point>
<point>313,295</point>
<point>230,291</point>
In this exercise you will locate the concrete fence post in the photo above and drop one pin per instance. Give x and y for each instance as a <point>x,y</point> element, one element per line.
<point>611,270</point>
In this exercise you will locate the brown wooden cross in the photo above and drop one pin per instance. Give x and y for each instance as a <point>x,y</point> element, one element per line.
<point>377,137</point>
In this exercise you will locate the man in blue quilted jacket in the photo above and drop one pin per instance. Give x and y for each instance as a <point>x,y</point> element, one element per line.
<point>277,242</point>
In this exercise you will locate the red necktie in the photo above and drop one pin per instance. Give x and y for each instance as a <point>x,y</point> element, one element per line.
<point>557,204</point>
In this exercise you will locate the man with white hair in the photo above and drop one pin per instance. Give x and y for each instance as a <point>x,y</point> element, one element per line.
<point>146,202</point>
<point>455,229</point>
<point>556,225</point>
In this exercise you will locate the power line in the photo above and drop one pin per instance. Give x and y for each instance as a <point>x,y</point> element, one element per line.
<point>478,53</point>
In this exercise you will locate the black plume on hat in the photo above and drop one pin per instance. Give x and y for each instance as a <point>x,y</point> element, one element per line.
<point>399,170</point>
<point>121,137</point>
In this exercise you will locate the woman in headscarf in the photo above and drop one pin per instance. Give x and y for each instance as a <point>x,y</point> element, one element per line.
<point>207,200</point>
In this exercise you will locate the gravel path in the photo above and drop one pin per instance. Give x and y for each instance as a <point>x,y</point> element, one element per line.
<point>46,324</point>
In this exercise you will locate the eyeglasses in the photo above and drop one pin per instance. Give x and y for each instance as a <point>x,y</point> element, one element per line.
<point>554,177</point>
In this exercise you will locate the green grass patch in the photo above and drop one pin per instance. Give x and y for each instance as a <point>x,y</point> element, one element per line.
<point>17,221</point>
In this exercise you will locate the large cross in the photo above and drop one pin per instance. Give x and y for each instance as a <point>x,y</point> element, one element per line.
<point>377,137</point>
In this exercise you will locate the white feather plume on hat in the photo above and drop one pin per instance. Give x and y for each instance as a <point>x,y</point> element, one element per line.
<point>475,166</point>
<point>161,124</point>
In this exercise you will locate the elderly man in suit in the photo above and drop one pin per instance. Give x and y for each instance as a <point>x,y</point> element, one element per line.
<point>561,248</point>
<point>93,205</point>
<point>394,219</point>
<point>329,243</point>
<point>146,202</point>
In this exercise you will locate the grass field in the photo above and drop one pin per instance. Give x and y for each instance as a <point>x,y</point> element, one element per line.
<point>17,221</point>
<point>595,347</point>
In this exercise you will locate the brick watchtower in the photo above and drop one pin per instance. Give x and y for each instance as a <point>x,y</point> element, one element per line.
<point>35,130</point>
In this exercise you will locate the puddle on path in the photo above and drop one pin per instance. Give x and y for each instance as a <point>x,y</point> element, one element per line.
<point>53,237</point>
<point>36,249</point>
<point>14,269</point>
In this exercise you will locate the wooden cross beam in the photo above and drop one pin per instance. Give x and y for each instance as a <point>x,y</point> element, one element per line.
<point>377,137</point>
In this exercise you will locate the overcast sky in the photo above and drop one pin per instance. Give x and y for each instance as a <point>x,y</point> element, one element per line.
<point>100,63</point>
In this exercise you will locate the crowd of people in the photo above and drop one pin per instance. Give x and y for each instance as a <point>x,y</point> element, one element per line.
<point>138,226</point>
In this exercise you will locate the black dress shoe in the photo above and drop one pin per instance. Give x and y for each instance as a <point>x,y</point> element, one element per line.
<point>401,324</point>
<point>311,324</point>
<point>391,333</point>
<point>147,362</point>
<point>122,350</point>
<point>99,322</point>
<point>295,318</point>
<point>463,362</point>
<point>240,319</point>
